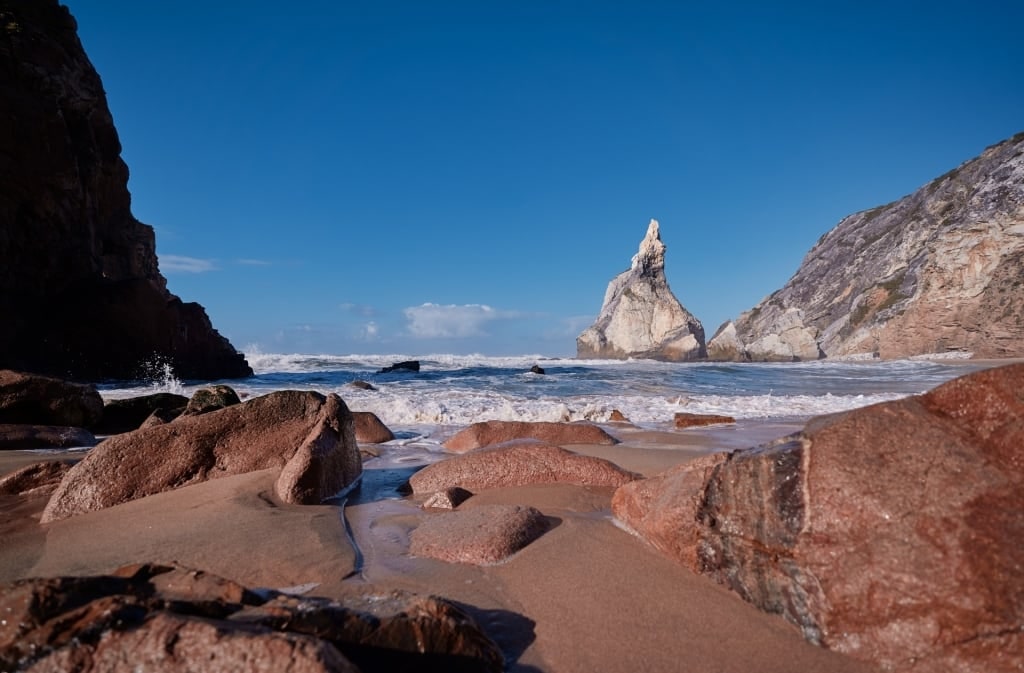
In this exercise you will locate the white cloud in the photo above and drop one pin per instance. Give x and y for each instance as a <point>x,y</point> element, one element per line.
<point>434,321</point>
<point>179,264</point>
<point>252,262</point>
<point>370,331</point>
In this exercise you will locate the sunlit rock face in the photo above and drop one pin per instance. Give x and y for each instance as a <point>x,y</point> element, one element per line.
<point>640,316</point>
<point>81,294</point>
<point>939,271</point>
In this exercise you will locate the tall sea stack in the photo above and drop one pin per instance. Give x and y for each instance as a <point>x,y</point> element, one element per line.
<point>641,317</point>
<point>81,294</point>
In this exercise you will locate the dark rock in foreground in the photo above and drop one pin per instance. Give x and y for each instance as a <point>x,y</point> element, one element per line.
<point>169,619</point>
<point>307,436</point>
<point>31,399</point>
<point>892,533</point>
<point>81,294</point>
<point>488,433</point>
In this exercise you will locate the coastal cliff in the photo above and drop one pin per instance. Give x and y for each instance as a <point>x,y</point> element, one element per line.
<point>81,294</point>
<point>941,271</point>
<point>640,316</point>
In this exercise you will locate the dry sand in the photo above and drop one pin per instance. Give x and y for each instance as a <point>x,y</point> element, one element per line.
<point>586,596</point>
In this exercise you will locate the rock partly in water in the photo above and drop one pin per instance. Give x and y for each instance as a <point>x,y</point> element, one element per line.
<point>537,369</point>
<point>362,385</point>
<point>129,413</point>
<point>937,272</point>
<point>25,437</point>
<point>167,618</point>
<point>370,429</point>
<point>309,437</point>
<point>683,420</point>
<point>518,464</point>
<point>891,533</point>
<point>34,479</point>
<point>81,293</point>
<point>488,433</point>
<point>31,399</point>
<point>405,366</point>
<point>211,398</point>
<point>478,535</point>
<point>640,316</point>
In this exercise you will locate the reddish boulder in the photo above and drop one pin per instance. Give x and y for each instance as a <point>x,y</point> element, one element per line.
<point>617,416</point>
<point>44,437</point>
<point>447,498</point>
<point>370,429</point>
<point>41,400</point>
<point>892,533</point>
<point>487,433</point>
<point>127,414</point>
<point>687,420</point>
<point>36,478</point>
<point>307,436</point>
<point>518,464</point>
<point>478,535</point>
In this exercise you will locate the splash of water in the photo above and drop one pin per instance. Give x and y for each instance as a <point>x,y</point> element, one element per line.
<point>159,373</point>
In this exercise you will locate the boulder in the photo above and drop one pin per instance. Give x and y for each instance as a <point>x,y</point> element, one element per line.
<point>640,317</point>
<point>447,498</point>
<point>386,630</point>
<point>518,464</point>
<point>486,433</point>
<point>169,618</point>
<point>479,535</point>
<point>537,369</point>
<point>81,293</point>
<point>891,533</point>
<point>406,366</point>
<point>129,413</point>
<point>37,478</point>
<point>24,437</point>
<point>370,429</point>
<point>617,416</point>
<point>362,385</point>
<point>31,399</point>
<point>307,436</point>
<point>210,399</point>
<point>686,420</point>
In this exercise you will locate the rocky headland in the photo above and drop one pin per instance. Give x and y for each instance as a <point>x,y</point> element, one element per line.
<point>81,294</point>
<point>640,317</point>
<point>941,271</point>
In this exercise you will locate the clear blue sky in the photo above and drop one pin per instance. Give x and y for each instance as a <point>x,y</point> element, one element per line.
<point>466,177</point>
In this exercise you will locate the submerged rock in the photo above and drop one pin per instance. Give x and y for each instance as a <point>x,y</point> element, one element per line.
<point>309,437</point>
<point>640,316</point>
<point>892,533</point>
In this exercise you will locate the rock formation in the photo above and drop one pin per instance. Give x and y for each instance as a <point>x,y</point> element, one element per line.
<point>640,316</point>
<point>940,270</point>
<point>488,433</point>
<point>81,294</point>
<point>893,533</point>
<point>479,535</point>
<point>306,435</point>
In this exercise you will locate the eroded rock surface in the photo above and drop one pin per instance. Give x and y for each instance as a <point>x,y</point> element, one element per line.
<point>81,293</point>
<point>518,464</point>
<point>488,433</point>
<point>892,533</point>
<point>640,317</point>
<point>37,478</point>
<point>478,535</point>
<point>307,436</point>
<point>938,271</point>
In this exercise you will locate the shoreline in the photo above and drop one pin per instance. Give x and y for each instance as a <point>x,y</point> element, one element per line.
<point>551,606</point>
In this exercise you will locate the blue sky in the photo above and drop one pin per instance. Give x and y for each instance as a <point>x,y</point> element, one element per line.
<point>466,177</point>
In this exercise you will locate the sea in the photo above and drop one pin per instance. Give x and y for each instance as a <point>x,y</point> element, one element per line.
<point>452,391</point>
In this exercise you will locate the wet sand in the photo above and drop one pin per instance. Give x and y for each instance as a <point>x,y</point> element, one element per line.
<point>586,596</point>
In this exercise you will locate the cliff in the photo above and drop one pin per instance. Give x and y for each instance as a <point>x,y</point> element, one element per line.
<point>640,316</point>
<point>81,294</point>
<point>939,271</point>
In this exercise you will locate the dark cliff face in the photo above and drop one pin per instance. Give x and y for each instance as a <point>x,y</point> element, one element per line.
<point>81,295</point>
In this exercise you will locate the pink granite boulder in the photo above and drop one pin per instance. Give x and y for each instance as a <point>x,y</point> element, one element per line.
<point>370,429</point>
<point>488,433</point>
<point>307,436</point>
<point>478,535</point>
<point>892,533</point>
<point>518,464</point>
<point>35,479</point>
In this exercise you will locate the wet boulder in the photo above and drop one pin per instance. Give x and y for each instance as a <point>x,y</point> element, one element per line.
<point>891,533</point>
<point>478,535</point>
<point>487,433</point>
<point>306,435</point>
<point>405,366</point>
<point>370,429</point>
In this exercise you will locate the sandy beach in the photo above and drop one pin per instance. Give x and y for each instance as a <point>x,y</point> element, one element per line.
<point>587,595</point>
